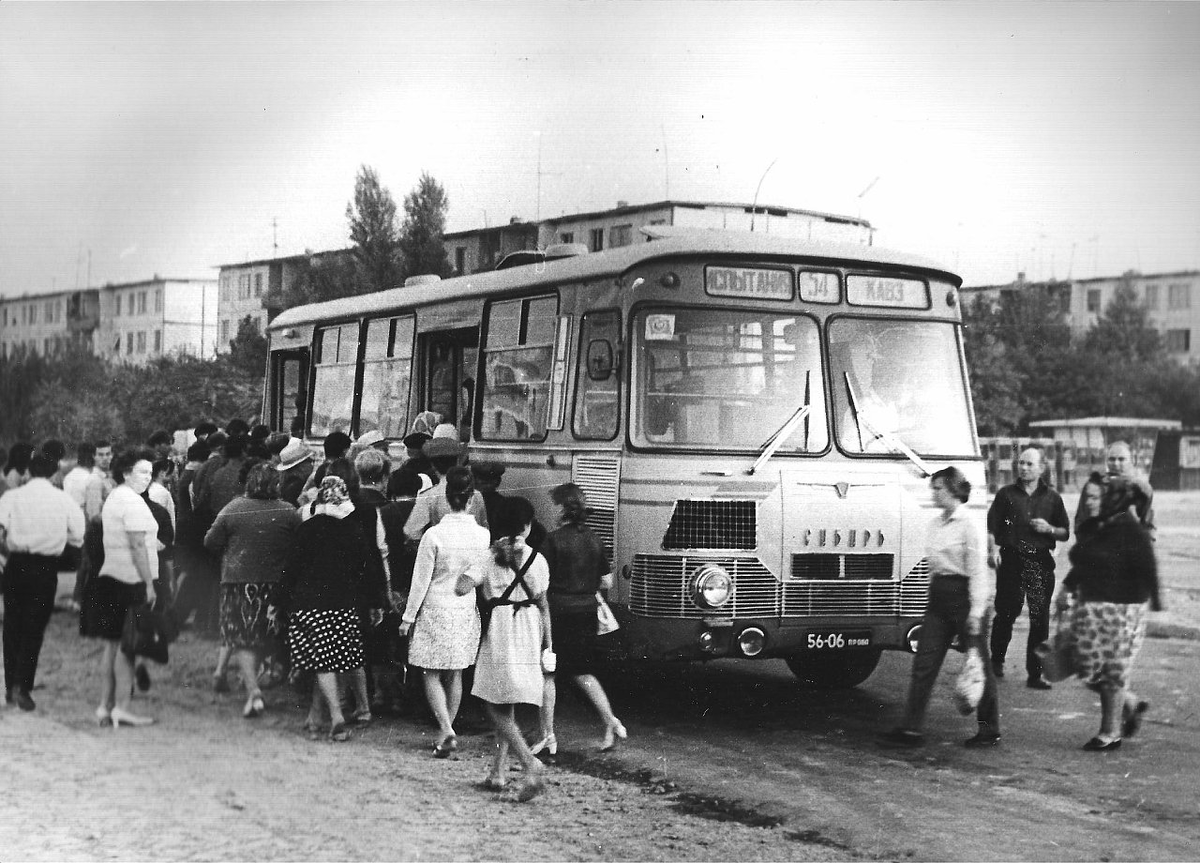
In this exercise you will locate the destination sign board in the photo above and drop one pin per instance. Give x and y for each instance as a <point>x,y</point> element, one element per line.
<point>819,287</point>
<point>887,292</point>
<point>757,283</point>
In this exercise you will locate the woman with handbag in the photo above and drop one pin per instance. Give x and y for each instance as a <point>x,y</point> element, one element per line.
<point>443,627</point>
<point>579,568</point>
<point>125,580</point>
<point>1113,581</point>
<point>961,587</point>
<point>516,640</point>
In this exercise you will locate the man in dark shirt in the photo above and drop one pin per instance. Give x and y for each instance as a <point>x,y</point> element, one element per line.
<point>1024,523</point>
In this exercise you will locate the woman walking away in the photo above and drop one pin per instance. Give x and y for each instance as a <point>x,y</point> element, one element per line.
<point>253,537</point>
<point>125,580</point>
<point>509,668</point>
<point>324,574</point>
<point>444,626</point>
<point>1113,580</point>
<point>961,587</point>
<point>579,568</point>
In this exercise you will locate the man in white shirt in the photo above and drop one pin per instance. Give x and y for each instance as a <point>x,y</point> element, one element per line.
<point>76,481</point>
<point>37,522</point>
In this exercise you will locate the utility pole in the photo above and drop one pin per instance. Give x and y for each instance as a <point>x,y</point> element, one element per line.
<point>275,237</point>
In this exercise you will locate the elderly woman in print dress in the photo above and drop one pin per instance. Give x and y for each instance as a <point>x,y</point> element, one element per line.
<point>509,669</point>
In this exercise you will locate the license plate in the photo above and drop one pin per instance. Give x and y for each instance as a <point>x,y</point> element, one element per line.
<point>838,640</point>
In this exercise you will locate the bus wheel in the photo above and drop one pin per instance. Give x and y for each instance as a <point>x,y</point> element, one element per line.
<point>833,670</point>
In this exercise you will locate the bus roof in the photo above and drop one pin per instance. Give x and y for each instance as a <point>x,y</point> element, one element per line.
<point>666,242</point>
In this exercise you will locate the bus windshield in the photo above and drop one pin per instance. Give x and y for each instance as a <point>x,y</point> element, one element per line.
<point>716,378</point>
<point>896,384</point>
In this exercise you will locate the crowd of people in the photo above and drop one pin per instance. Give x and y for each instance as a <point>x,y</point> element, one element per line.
<point>981,576</point>
<point>339,570</point>
<point>346,572</point>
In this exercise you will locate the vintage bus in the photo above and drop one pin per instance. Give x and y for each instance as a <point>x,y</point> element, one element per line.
<point>753,418</point>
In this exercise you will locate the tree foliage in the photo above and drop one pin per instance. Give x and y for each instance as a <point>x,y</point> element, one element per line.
<point>77,396</point>
<point>422,249</point>
<point>248,349</point>
<point>1026,364</point>
<point>373,231</point>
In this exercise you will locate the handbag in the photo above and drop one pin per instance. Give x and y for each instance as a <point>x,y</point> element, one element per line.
<point>145,633</point>
<point>968,687</point>
<point>606,621</point>
<point>1058,654</point>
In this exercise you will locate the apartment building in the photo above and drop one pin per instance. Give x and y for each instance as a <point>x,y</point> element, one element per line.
<point>140,321</point>
<point>1172,301</point>
<point>255,289</point>
<point>482,248</point>
<point>47,323</point>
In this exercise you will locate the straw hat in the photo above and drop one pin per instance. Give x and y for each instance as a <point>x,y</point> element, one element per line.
<point>295,452</point>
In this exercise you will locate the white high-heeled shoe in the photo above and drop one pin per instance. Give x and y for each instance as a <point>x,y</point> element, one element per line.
<point>119,716</point>
<point>548,744</point>
<point>614,732</point>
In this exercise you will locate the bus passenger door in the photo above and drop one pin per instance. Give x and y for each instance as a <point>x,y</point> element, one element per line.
<point>289,388</point>
<point>449,360</point>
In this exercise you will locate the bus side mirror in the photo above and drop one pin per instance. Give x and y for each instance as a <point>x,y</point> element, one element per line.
<point>599,360</point>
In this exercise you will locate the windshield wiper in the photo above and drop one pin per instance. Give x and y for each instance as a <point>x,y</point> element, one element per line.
<point>890,440</point>
<point>775,441</point>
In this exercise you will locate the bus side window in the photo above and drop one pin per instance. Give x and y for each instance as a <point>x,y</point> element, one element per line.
<point>597,413</point>
<point>518,361</point>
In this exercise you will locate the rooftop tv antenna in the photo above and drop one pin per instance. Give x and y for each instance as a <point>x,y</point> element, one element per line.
<point>754,206</point>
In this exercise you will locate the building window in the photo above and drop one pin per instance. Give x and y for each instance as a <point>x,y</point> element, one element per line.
<point>566,237</point>
<point>460,259</point>
<point>1179,341</point>
<point>620,235</point>
<point>597,240</point>
<point>158,301</point>
<point>158,341</point>
<point>224,332</point>
<point>1152,297</point>
<point>1093,300</point>
<point>130,306</point>
<point>244,287</point>
<point>141,342</point>
<point>141,302</point>
<point>46,347</point>
<point>1179,297</point>
<point>258,284</point>
<point>129,339</point>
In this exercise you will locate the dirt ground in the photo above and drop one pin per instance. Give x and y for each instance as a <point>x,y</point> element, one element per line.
<point>205,784</point>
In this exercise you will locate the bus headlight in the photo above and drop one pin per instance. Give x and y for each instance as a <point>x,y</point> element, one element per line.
<point>711,586</point>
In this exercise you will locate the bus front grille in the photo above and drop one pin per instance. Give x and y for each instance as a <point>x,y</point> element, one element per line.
<point>660,588</point>
<point>712,524</point>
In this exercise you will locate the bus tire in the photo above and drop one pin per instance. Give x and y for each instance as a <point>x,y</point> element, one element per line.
<point>833,670</point>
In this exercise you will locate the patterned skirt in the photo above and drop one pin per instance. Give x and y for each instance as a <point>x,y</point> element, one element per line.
<point>1108,636</point>
<point>250,616</point>
<point>445,637</point>
<point>326,641</point>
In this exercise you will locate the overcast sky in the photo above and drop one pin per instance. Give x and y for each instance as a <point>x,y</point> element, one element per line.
<point>1057,139</point>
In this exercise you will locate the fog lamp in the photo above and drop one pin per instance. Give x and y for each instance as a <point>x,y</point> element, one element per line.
<point>914,638</point>
<point>706,640</point>
<point>752,641</point>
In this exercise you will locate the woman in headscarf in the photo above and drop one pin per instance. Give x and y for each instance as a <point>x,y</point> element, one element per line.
<point>1113,582</point>
<point>325,577</point>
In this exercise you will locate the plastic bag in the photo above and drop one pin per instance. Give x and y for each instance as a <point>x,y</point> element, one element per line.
<point>968,688</point>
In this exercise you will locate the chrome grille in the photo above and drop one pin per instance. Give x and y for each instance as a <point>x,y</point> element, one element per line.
<point>834,567</point>
<point>599,477</point>
<point>659,588</point>
<point>712,524</point>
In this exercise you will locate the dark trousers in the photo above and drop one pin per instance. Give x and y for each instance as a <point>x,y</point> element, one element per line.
<point>199,587</point>
<point>1020,580</point>
<point>945,617</point>
<point>30,582</point>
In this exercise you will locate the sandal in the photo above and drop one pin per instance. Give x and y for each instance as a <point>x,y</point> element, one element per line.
<point>445,746</point>
<point>612,734</point>
<point>339,733</point>
<point>362,717</point>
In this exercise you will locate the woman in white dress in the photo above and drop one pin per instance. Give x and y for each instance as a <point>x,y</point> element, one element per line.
<point>508,670</point>
<point>443,627</point>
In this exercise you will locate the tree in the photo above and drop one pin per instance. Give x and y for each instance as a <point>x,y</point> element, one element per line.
<point>422,250</point>
<point>1123,331</point>
<point>372,217</point>
<point>320,277</point>
<point>248,349</point>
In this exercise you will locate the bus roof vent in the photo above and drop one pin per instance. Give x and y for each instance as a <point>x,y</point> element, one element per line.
<point>424,279</point>
<point>566,250</point>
